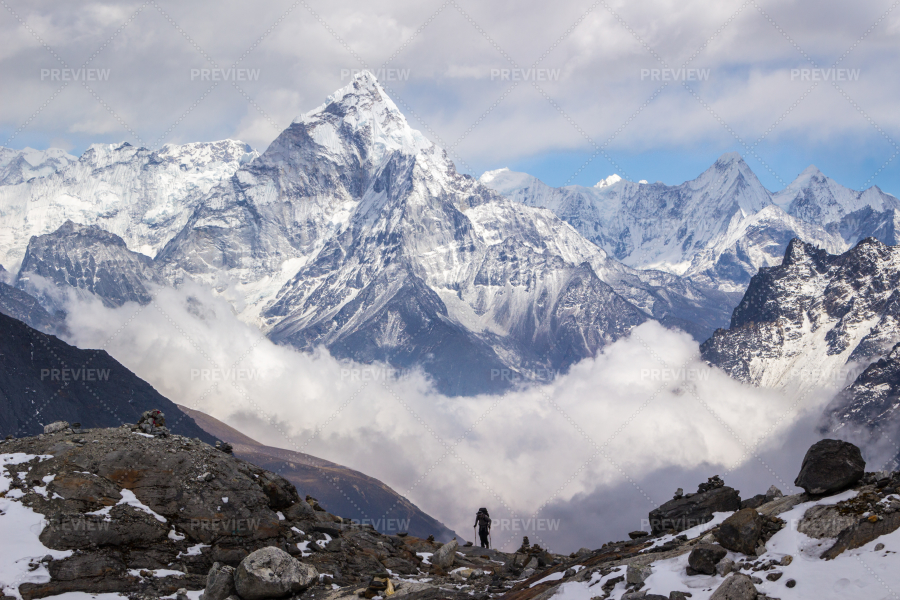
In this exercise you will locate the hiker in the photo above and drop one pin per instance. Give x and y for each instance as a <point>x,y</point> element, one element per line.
<point>483,523</point>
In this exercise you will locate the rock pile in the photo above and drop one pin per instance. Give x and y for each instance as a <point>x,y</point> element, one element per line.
<point>153,422</point>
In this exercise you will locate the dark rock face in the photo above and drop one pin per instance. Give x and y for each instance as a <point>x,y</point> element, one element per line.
<point>740,532</point>
<point>91,259</point>
<point>24,307</point>
<point>830,466</point>
<point>43,379</point>
<point>838,293</point>
<point>871,402</point>
<point>695,509</point>
<point>704,558</point>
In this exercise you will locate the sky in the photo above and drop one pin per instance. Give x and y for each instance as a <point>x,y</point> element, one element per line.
<point>568,91</point>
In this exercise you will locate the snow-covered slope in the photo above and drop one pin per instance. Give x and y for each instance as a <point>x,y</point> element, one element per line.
<point>649,225</point>
<point>790,567</point>
<point>144,197</point>
<point>814,319</point>
<point>17,166</point>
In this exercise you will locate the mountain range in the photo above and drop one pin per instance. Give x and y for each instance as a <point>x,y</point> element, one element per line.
<point>717,230</point>
<point>354,232</point>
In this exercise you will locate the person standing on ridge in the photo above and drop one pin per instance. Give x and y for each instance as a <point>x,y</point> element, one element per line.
<point>483,523</point>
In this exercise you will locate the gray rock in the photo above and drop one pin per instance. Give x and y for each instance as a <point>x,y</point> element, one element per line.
<point>272,573</point>
<point>704,558</point>
<point>300,511</point>
<point>56,426</point>
<point>635,574</point>
<point>773,493</point>
<point>181,594</point>
<point>830,466</point>
<point>445,555</point>
<point>824,522</point>
<point>724,567</point>
<point>782,505</point>
<point>736,587</point>
<point>740,532</point>
<point>219,582</point>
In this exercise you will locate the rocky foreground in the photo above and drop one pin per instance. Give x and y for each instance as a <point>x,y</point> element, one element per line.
<point>139,512</point>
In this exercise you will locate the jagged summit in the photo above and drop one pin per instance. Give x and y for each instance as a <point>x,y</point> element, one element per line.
<point>850,297</point>
<point>363,108</point>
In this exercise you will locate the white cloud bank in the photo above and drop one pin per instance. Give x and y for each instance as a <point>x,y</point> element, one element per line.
<point>620,431</point>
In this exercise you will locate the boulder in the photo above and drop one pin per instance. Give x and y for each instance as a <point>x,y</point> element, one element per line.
<point>724,567</point>
<point>736,587</point>
<point>272,573</point>
<point>219,582</point>
<point>830,466</point>
<point>704,558</point>
<point>740,532</point>
<point>636,574</point>
<point>446,555</point>
<point>689,511</point>
<point>56,426</point>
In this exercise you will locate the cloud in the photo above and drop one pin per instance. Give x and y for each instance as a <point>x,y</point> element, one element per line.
<point>597,437</point>
<point>599,56</point>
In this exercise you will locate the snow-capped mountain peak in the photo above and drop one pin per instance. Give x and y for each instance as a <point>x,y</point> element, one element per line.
<point>816,198</point>
<point>611,180</point>
<point>18,166</point>
<point>363,108</point>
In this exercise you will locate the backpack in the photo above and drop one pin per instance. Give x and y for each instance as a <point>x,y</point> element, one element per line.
<point>483,518</point>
